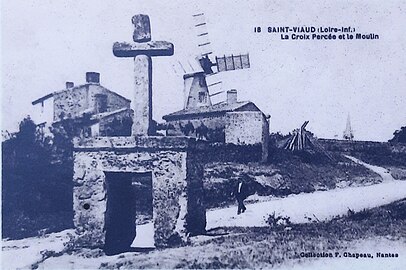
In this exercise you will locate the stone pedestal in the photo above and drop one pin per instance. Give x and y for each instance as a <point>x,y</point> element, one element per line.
<point>177,187</point>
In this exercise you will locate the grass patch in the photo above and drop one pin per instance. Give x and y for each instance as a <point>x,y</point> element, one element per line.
<point>266,247</point>
<point>288,173</point>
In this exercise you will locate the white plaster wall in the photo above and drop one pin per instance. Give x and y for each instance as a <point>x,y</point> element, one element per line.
<point>43,112</point>
<point>95,130</point>
<point>244,127</point>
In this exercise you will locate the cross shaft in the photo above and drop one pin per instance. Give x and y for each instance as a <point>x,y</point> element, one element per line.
<point>142,50</point>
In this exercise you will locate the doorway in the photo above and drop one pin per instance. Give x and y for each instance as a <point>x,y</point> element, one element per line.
<point>129,206</point>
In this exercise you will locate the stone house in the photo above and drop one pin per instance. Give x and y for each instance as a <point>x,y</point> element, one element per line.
<point>230,121</point>
<point>94,109</point>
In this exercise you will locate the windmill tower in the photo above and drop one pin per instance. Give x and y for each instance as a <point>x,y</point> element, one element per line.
<point>348,132</point>
<point>201,81</point>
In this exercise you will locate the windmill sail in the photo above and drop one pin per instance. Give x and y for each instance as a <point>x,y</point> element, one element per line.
<point>223,63</point>
<point>233,62</point>
<point>206,64</point>
<point>203,41</point>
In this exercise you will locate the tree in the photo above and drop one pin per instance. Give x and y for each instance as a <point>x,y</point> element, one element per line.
<point>37,181</point>
<point>399,136</point>
<point>27,131</point>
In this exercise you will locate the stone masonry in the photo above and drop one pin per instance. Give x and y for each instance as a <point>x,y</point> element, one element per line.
<point>177,192</point>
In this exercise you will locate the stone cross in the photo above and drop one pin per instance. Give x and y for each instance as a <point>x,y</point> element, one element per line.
<point>142,51</point>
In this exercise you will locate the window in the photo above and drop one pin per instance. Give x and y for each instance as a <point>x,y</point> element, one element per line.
<point>189,102</point>
<point>202,97</point>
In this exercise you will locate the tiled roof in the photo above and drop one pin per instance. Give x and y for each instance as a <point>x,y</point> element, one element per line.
<point>107,114</point>
<point>216,108</point>
<point>41,99</point>
<point>96,117</point>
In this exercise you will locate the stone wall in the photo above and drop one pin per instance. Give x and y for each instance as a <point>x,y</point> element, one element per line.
<point>248,128</point>
<point>73,102</point>
<point>114,101</point>
<point>244,128</point>
<point>213,122</point>
<point>349,146</point>
<point>70,103</point>
<point>205,152</point>
<point>177,207</point>
<point>118,124</point>
<point>376,153</point>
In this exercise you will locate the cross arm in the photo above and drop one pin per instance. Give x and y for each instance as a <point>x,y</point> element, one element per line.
<point>151,48</point>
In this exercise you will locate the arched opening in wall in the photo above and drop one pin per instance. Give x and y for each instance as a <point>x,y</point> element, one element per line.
<point>128,219</point>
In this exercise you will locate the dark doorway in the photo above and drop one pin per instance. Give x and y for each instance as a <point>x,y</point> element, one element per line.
<point>120,214</point>
<point>127,194</point>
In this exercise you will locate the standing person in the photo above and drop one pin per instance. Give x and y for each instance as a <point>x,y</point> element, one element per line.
<point>240,195</point>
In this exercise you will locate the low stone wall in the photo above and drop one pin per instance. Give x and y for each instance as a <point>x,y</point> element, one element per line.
<point>349,146</point>
<point>175,188</point>
<point>376,153</point>
<point>361,146</point>
<point>203,152</point>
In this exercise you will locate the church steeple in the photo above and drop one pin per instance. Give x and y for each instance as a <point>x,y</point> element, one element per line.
<point>348,132</point>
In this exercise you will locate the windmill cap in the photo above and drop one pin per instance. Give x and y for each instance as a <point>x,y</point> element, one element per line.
<point>193,74</point>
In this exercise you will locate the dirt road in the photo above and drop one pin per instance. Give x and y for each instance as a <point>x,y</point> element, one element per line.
<point>319,205</point>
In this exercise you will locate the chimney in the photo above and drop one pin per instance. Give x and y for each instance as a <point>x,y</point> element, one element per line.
<point>69,85</point>
<point>93,77</point>
<point>232,96</point>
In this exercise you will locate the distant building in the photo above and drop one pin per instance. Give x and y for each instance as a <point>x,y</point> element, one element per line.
<point>230,121</point>
<point>348,133</point>
<point>95,110</point>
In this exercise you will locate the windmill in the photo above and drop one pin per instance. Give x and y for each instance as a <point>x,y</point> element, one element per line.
<point>348,132</point>
<point>205,68</point>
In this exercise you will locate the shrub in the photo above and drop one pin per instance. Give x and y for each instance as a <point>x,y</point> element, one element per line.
<point>278,221</point>
<point>37,182</point>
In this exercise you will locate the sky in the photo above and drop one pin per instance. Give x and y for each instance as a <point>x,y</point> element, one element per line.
<point>46,43</point>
